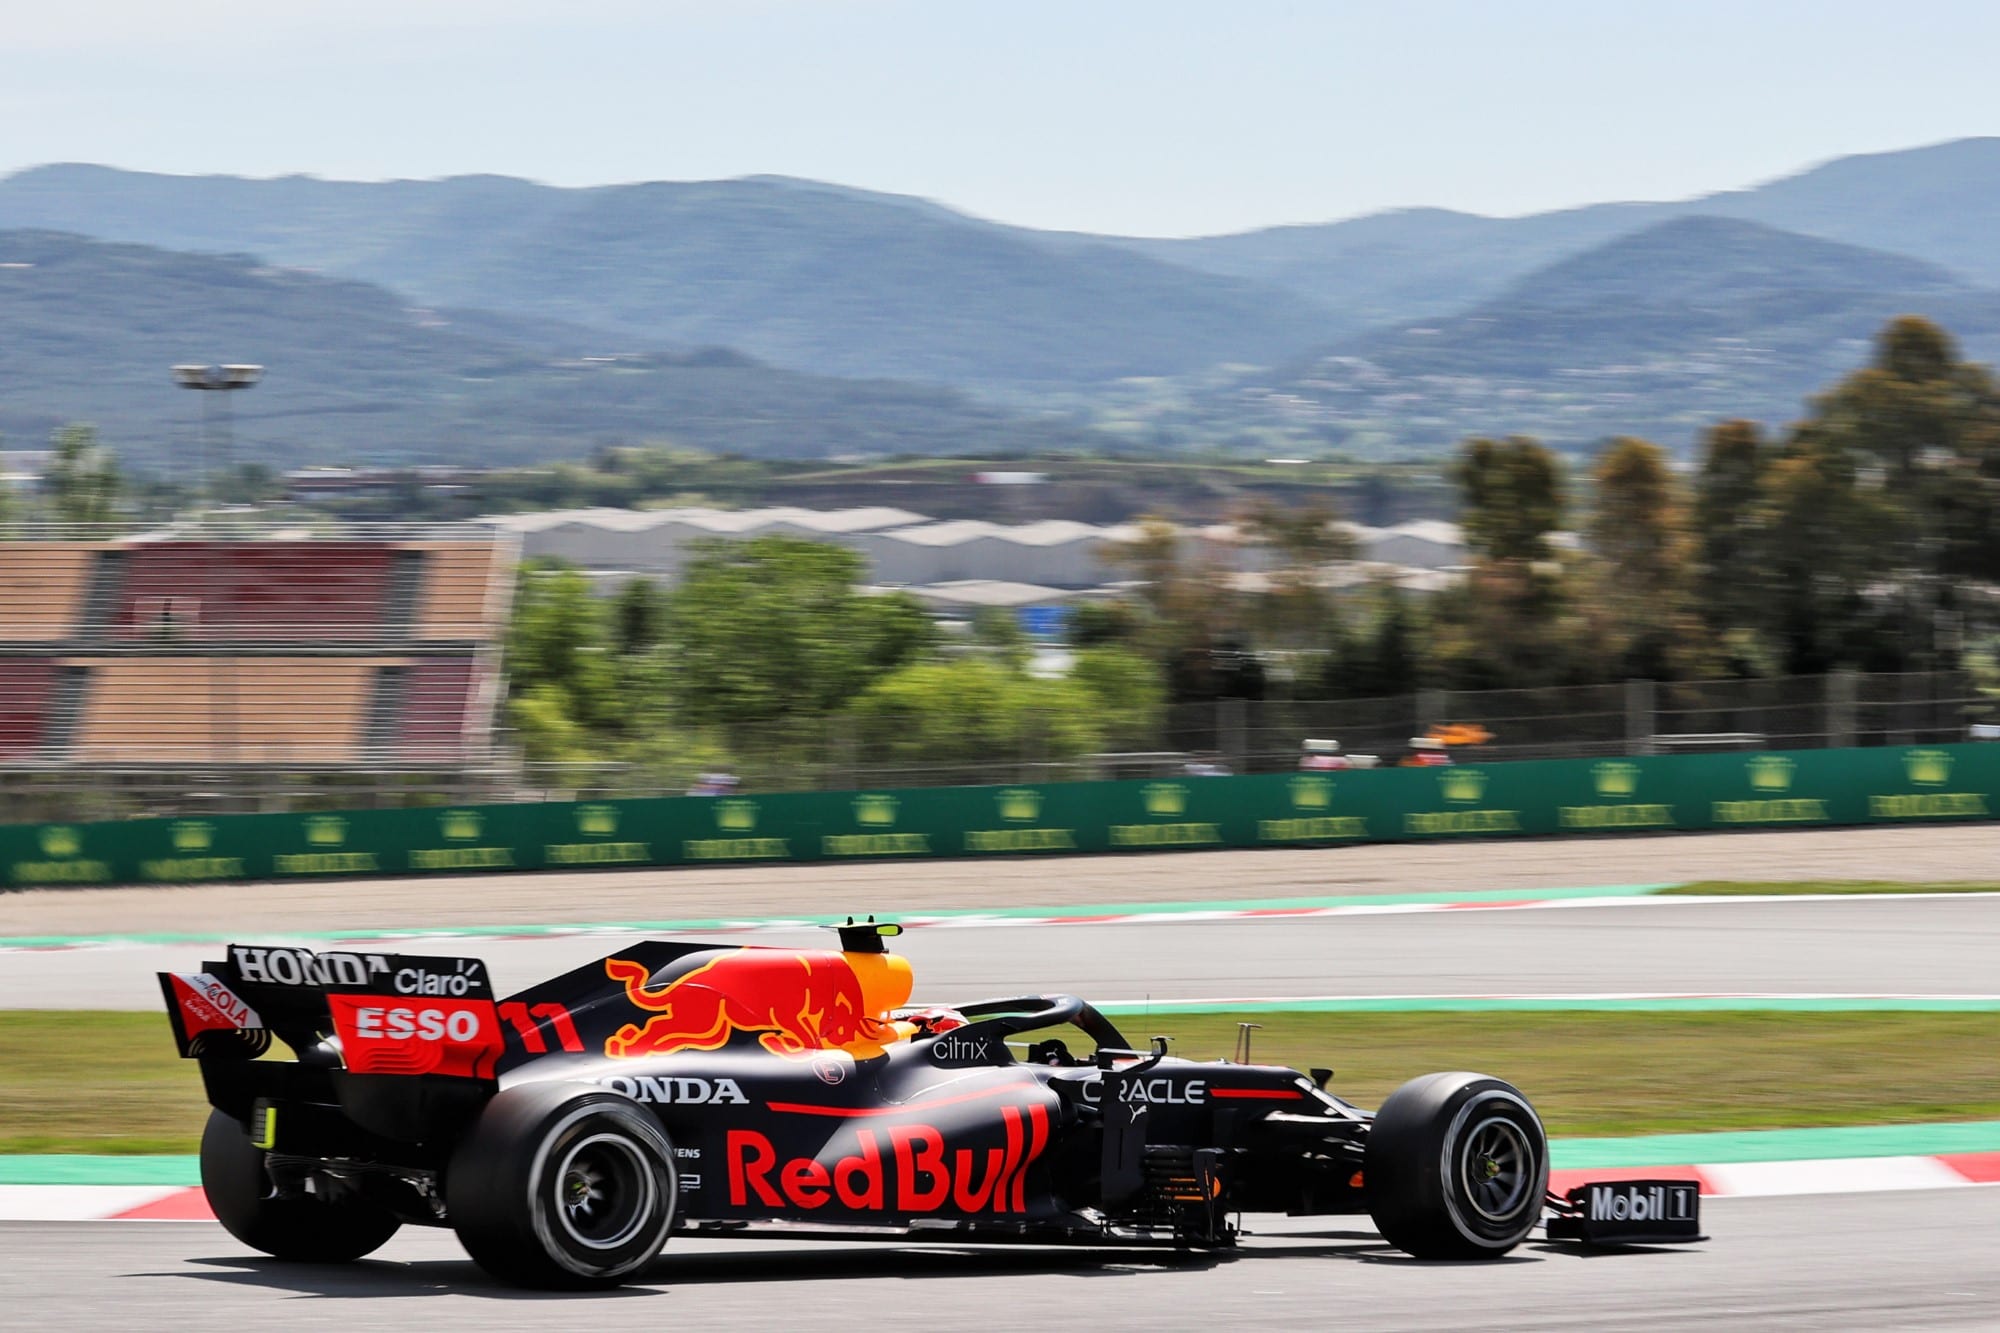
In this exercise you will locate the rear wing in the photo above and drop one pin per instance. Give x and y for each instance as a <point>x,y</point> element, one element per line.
<point>394,1014</point>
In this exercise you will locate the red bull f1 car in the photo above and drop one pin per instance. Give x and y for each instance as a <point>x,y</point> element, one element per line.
<point>566,1132</point>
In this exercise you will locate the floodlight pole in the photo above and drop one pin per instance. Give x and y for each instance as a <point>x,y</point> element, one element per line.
<point>216,379</point>
<point>220,379</point>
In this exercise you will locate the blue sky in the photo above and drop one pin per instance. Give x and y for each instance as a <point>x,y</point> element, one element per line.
<point>1155,118</point>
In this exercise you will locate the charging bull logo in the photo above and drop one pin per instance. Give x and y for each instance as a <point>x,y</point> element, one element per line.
<point>798,1003</point>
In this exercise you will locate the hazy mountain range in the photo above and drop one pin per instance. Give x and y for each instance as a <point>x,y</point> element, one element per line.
<point>465,316</point>
<point>1655,333</point>
<point>355,374</point>
<point>1937,203</point>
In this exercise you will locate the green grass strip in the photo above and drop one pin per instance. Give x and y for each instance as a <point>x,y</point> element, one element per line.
<point>109,1082</point>
<point>1616,1072</point>
<point>1739,888</point>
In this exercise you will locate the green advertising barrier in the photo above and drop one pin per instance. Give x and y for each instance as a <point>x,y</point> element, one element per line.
<point>1766,789</point>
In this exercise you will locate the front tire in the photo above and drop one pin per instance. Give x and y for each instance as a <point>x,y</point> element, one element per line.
<point>1457,1167</point>
<point>563,1187</point>
<point>305,1229</point>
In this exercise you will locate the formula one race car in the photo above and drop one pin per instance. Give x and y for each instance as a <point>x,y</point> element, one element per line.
<point>566,1131</point>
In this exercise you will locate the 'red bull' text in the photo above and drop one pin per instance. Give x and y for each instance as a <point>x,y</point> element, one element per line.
<point>907,1170</point>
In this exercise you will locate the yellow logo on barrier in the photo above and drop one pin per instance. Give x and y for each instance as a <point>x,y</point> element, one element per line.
<point>1770,776</point>
<point>1615,777</point>
<point>1616,781</point>
<point>1770,772</point>
<point>63,845</point>
<point>599,823</point>
<point>190,840</point>
<point>875,811</point>
<point>326,830</point>
<point>1019,805</point>
<point>460,825</point>
<point>737,816</point>
<point>1165,799</point>
<point>1310,792</point>
<point>1927,768</point>
<point>1462,786</point>
<point>191,835</point>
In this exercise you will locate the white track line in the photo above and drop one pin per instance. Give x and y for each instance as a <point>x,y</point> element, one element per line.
<point>978,921</point>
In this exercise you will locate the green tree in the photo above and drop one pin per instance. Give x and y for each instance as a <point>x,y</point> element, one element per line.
<point>1375,652</point>
<point>1638,537</point>
<point>83,477</point>
<point>1966,508</point>
<point>1511,497</point>
<point>1103,624</point>
<point>546,730</point>
<point>638,616</point>
<point>1193,615</point>
<point>775,628</point>
<point>1392,662</point>
<point>1729,572</point>
<point>893,628</point>
<point>1817,563</point>
<point>1511,623</point>
<point>1127,695</point>
<point>1908,405</point>
<point>996,631</point>
<point>973,711</point>
<point>559,660</point>
<point>1296,545</point>
<point>1918,428</point>
<point>1340,659</point>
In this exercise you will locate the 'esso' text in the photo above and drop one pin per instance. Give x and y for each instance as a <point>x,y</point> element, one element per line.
<point>400,1024</point>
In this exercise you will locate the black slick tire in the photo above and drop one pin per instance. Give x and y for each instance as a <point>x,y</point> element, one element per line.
<point>1457,1167</point>
<point>307,1230</point>
<point>562,1186</point>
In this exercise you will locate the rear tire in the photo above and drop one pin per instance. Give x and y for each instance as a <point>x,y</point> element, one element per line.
<point>1457,1167</point>
<point>305,1229</point>
<point>563,1187</point>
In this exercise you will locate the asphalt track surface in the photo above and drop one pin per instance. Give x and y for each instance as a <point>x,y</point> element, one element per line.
<point>1945,945</point>
<point>1912,854</point>
<point>1874,1261</point>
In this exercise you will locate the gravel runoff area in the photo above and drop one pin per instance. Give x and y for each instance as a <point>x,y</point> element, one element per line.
<point>1908,854</point>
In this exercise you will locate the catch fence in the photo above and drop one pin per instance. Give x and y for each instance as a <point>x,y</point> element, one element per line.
<point>842,752</point>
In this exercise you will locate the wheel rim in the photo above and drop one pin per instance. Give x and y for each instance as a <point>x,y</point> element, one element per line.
<point>1496,1169</point>
<point>604,1191</point>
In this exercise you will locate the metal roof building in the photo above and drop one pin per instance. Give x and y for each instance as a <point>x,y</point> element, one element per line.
<point>657,541</point>
<point>904,549</point>
<point>1056,553</point>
